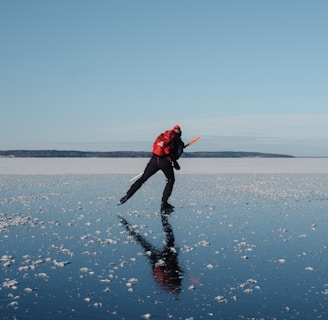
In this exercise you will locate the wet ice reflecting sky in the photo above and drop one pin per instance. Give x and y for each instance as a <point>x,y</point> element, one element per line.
<point>238,246</point>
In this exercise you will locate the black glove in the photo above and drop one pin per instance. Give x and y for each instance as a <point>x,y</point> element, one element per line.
<point>176,165</point>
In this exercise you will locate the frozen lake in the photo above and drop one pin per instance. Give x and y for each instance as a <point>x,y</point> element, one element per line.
<point>133,166</point>
<point>247,240</point>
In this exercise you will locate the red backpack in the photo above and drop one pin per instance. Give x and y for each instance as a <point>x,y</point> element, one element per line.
<point>161,145</point>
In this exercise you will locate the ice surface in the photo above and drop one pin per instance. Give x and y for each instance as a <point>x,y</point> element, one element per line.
<point>134,166</point>
<point>240,245</point>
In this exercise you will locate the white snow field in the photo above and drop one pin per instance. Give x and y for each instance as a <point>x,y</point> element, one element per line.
<point>247,240</point>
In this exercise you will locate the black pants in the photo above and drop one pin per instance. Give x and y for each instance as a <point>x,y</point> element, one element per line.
<point>155,164</point>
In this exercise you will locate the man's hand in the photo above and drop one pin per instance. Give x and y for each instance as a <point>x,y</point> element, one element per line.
<point>176,165</point>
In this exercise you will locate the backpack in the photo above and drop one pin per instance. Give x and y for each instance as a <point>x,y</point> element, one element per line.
<point>161,145</point>
<point>168,144</point>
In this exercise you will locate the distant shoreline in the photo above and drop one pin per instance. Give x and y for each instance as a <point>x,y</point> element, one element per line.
<point>132,154</point>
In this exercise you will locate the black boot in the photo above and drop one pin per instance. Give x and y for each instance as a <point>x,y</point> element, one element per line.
<point>123,200</point>
<point>165,206</point>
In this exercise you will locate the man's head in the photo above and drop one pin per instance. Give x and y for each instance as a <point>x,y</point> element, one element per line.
<point>177,129</point>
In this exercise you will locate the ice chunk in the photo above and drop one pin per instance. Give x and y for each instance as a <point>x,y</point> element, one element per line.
<point>42,275</point>
<point>309,269</point>
<point>10,284</point>
<point>221,299</point>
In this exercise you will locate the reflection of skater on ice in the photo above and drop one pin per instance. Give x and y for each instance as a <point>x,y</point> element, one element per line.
<point>165,266</point>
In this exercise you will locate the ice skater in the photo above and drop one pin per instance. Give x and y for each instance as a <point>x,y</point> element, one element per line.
<point>167,149</point>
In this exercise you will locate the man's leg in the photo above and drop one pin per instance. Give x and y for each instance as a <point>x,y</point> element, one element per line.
<point>151,168</point>
<point>167,168</point>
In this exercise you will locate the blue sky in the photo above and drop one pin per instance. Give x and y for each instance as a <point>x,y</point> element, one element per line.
<point>111,75</point>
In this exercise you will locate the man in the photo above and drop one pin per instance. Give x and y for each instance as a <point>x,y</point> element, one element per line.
<point>167,149</point>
